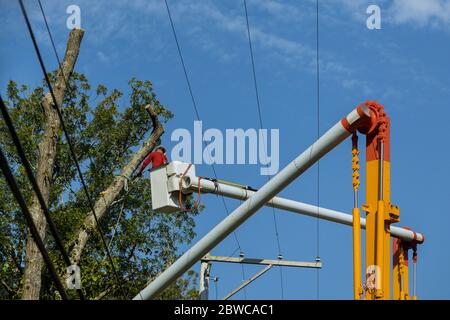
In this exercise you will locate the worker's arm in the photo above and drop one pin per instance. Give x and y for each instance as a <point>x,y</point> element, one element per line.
<point>145,163</point>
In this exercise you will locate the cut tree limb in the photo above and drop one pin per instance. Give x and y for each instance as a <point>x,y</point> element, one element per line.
<point>108,196</point>
<point>45,162</point>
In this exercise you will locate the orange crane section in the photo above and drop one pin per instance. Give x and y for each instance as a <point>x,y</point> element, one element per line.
<point>380,214</point>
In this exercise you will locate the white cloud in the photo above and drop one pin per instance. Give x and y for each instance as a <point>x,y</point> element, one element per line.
<point>421,12</point>
<point>103,57</point>
<point>215,27</point>
<point>269,43</point>
<point>291,52</point>
<point>280,11</point>
<point>363,85</point>
<point>357,8</point>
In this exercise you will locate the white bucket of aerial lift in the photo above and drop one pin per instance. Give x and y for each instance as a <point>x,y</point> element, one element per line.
<point>165,183</point>
<point>175,170</point>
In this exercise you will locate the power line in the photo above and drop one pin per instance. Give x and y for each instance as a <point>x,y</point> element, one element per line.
<point>195,104</point>
<point>33,229</point>
<point>281,281</point>
<point>259,107</point>
<point>255,82</point>
<point>182,61</point>
<point>258,104</point>
<point>69,142</point>
<point>33,182</point>
<point>318,136</point>
<point>51,38</point>
<point>242,269</point>
<point>243,280</point>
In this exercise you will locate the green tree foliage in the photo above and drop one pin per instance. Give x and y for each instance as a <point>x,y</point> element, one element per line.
<point>106,128</point>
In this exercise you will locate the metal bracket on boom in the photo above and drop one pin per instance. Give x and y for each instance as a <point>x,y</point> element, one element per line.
<point>392,215</point>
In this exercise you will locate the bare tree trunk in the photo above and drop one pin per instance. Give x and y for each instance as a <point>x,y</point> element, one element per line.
<point>107,196</point>
<point>46,159</point>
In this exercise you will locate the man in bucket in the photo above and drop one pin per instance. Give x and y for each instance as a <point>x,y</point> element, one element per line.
<point>157,158</point>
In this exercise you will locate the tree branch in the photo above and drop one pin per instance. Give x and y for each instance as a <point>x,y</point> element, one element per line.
<point>107,197</point>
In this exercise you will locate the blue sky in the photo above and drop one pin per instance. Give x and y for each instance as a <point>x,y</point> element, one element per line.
<point>405,66</point>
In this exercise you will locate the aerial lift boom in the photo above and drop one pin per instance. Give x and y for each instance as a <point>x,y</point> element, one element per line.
<point>241,192</point>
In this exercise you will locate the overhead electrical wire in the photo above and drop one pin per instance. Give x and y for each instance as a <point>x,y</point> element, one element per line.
<point>31,178</point>
<point>194,103</point>
<point>318,136</point>
<point>32,226</point>
<point>198,118</point>
<point>51,38</point>
<point>69,142</point>
<point>244,291</point>
<point>258,104</point>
